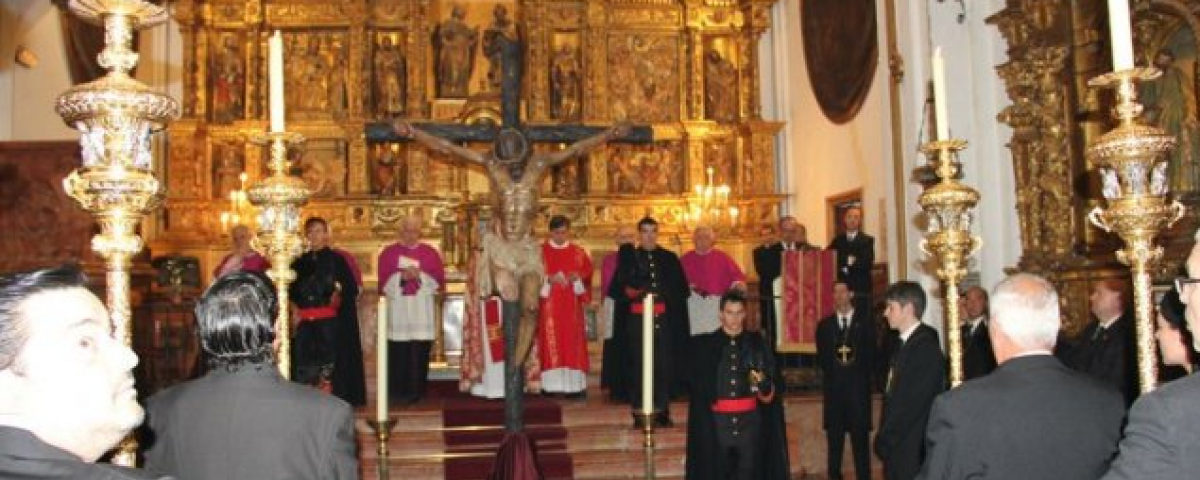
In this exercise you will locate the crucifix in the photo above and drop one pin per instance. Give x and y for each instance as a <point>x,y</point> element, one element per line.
<point>511,260</point>
<point>844,352</point>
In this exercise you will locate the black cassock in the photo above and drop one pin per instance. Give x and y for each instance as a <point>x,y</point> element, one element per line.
<point>659,272</point>
<point>847,357</point>
<point>328,345</point>
<point>720,366</point>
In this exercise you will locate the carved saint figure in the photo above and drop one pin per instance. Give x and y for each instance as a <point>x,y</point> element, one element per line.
<point>454,47</point>
<point>228,74</point>
<point>512,258</point>
<point>389,79</point>
<point>565,77</point>
<point>502,28</point>
<point>1171,106</point>
<point>337,80</point>
<point>385,173</point>
<point>720,88</point>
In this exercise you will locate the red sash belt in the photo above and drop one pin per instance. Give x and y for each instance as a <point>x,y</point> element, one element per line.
<point>639,307</point>
<point>318,313</point>
<point>735,405</point>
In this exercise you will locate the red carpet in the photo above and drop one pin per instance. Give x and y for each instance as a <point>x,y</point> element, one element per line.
<point>474,428</point>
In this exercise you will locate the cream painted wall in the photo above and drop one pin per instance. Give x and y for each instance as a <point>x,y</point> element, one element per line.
<point>27,95</point>
<point>819,158</point>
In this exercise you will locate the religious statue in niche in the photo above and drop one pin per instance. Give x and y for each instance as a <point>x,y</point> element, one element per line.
<point>337,79</point>
<point>566,84</point>
<point>501,26</point>
<point>1171,105</point>
<point>720,156</point>
<point>566,179</point>
<point>454,49</point>
<point>389,79</point>
<point>227,169</point>
<point>385,170</point>
<point>228,75</point>
<point>720,88</point>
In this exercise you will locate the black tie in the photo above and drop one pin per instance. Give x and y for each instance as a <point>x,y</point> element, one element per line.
<point>1098,333</point>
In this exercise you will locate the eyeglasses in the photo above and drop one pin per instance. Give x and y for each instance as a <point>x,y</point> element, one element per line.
<point>1182,282</point>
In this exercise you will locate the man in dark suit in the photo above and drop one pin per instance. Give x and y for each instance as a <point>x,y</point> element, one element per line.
<point>1033,418</point>
<point>1162,438</point>
<point>1105,349</point>
<point>243,419</point>
<point>978,359</point>
<point>917,375</point>
<point>846,353</point>
<point>66,384</point>
<point>768,264</point>
<point>855,256</point>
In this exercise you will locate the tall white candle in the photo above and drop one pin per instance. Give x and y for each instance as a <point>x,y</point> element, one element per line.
<point>1122,39</point>
<point>648,354</point>
<point>381,360</point>
<point>940,118</point>
<point>275,77</point>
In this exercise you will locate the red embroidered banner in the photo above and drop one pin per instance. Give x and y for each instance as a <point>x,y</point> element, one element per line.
<point>493,310</point>
<point>806,295</point>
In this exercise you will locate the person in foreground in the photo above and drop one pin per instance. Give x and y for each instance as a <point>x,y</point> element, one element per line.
<point>243,420</point>
<point>1032,418</point>
<point>735,417</point>
<point>1162,438</point>
<point>846,355</point>
<point>66,385</point>
<point>917,375</point>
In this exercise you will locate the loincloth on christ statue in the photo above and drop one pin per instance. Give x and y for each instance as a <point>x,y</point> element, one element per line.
<point>519,257</point>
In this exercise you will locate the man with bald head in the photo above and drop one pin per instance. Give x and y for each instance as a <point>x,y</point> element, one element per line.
<point>1162,438</point>
<point>978,359</point>
<point>66,384</point>
<point>768,264</point>
<point>411,274</point>
<point>710,273</point>
<point>1032,418</point>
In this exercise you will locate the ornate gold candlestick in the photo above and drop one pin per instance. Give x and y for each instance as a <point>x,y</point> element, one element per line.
<point>383,433</point>
<point>280,197</point>
<point>949,206</point>
<point>116,182</point>
<point>1133,171</point>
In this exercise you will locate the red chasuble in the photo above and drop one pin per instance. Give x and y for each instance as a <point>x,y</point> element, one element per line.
<point>562,335</point>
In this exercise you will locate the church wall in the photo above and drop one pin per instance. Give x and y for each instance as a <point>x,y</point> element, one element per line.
<point>27,95</point>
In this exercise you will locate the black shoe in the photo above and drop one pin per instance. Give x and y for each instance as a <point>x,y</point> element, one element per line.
<point>639,422</point>
<point>663,420</point>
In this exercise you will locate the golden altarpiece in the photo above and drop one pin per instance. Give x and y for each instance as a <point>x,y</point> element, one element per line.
<point>686,68</point>
<point>1054,48</point>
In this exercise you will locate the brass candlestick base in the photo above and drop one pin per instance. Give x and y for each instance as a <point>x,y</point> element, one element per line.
<point>117,115</point>
<point>280,197</point>
<point>949,206</point>
<point>1132,163</point>
<point>647,421</point>
<point>383,432</point>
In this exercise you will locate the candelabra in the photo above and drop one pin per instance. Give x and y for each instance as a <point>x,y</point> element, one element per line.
<point>238,206</point>
<point>949,206</point>
<point>1133,171</point>
<point>279,197</point>
<point>709,205</point>
<point>116,115</point>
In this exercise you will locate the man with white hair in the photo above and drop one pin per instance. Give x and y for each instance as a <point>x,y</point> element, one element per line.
<point>1032,418</point>
<point>67,384</point>
<point>1162,439</point>
<point>710,273</point>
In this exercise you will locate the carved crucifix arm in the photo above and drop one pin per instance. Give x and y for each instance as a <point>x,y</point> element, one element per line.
<point>438,144</point>
<point>586,145</point>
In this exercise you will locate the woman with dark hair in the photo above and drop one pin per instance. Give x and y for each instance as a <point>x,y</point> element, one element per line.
<point>326,350</point>
<point>1174,339</point>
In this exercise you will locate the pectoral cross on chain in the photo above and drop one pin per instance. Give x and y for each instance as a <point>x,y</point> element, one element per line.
<point>844,352</point>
